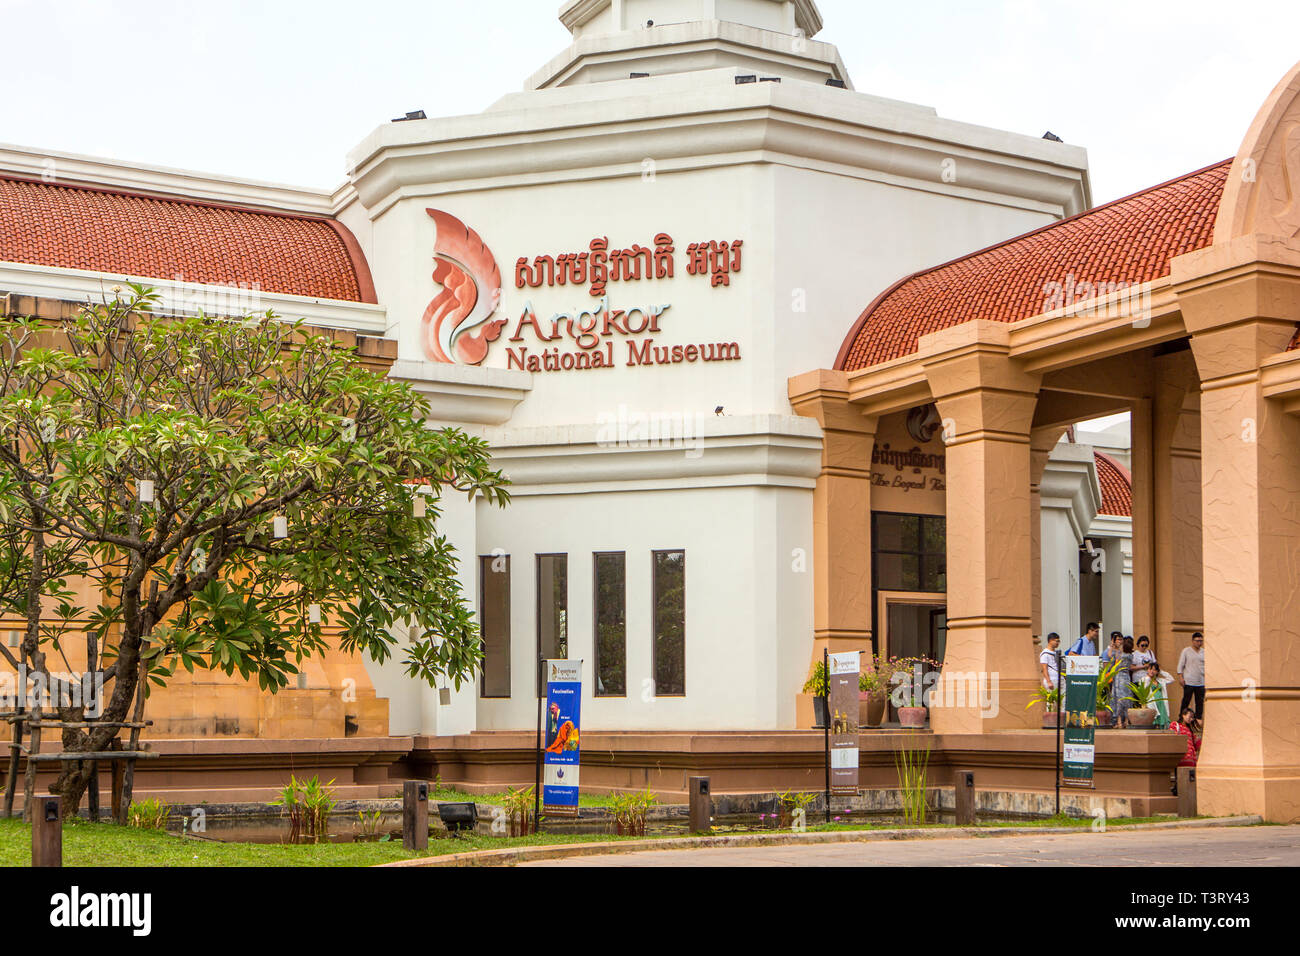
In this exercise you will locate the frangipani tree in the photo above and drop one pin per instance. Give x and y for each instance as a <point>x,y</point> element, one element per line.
<point>230,485</point>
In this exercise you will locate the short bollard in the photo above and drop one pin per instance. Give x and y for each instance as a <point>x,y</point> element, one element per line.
<point>1187,791</point>
<point>415,815</point>
<point>701,813</point>
<point>47,831</point>
<point>965,798</point>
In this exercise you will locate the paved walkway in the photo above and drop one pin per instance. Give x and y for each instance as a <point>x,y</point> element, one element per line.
<point>1228,846</point>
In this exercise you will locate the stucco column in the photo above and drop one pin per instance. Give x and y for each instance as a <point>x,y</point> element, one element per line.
<point>1041,443</point>
<point>841,559</point>
<point>1240,312</point>
<point>1142,456</point>
<point>1176,508</point>
<point>987,404</point>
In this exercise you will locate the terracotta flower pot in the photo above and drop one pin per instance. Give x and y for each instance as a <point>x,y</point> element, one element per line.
<point>871,711</point>
<point>1142,718</point>
<point>1103,718</point>
<point>1053,719</point>
<point>912,716</point>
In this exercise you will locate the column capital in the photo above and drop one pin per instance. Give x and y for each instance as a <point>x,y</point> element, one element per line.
<point>1240,300</point>
<point>981,391</point>
<point>823,395</point>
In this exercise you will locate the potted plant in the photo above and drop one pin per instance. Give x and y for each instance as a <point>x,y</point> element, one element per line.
<point>819,686</point>
<point>908,693</point>
<point>1105,681</point>
<point>1050,698</point>
<point>1143,716</point>
<point>873,692</point>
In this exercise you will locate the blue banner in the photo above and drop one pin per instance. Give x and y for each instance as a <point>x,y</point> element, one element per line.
<point>560,739</point>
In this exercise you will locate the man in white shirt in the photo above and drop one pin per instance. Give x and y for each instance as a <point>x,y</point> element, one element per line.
<point>1191,674</point>
<point>1049,661</point>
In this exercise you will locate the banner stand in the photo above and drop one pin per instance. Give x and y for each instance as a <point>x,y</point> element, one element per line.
<point>537,779</point>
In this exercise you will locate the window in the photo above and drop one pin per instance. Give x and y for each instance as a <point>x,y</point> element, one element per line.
<point>610,616</point>
<point>670,623</point>
<point>494,623</point>
<point>552,610</point>
<point>909,553</point>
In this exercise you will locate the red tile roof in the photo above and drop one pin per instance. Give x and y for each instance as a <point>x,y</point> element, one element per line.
<point>1116,486</point>
<point>1127,242</point>
<point>146,237</point>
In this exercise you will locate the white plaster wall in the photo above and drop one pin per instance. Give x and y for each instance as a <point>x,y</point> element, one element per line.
<point>840,242</point>
<point>748,610</point>
<point>1060,587</point>
<point>1117,584</point>
<point>413,706</point>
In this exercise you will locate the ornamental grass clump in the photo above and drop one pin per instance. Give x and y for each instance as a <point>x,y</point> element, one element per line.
<point>912,763</point>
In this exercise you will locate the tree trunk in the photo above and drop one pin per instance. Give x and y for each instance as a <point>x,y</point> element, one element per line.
<point>32,650</point>
<point>11,781</point>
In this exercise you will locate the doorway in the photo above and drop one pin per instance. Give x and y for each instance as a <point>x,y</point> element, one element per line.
<point>915,625</point>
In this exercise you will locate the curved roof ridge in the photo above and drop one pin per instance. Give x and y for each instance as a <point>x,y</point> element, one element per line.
<point>900,331</point>
<point>1116,486</point>
<point>105,229</point>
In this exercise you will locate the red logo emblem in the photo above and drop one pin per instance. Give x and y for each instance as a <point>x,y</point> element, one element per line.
<point>458,326</point>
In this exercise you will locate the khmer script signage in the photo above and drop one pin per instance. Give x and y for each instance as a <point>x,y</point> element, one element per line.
<point>463,320</point>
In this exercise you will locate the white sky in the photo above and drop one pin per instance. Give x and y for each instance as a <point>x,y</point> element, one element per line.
<point>280,90</point>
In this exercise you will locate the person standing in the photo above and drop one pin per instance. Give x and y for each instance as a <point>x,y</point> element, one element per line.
<point>1141,658</point>
<point>1049,662</point>
<point>1123,685</point>
<point>1191,675</point>
<point>1159,680</point>
<point>1085,646</point>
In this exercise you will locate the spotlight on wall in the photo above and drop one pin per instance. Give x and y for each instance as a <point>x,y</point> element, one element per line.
<point>1052,137</point>
<point>769,79</point>
<point>718,410</point>
<point>838,84</point>
<point>746,78</point>
<point>637,76</point>
<point>414,115</point>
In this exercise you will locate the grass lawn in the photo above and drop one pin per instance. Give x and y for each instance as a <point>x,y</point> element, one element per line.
<point>104,844</point>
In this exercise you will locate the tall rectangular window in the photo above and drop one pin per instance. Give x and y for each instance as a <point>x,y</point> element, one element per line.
<point>670,623</point>
<point>494,623</point>
<point>610,615</point>
<point>552,609</point>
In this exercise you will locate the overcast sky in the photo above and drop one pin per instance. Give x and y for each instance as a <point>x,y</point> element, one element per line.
<point>280,90</point>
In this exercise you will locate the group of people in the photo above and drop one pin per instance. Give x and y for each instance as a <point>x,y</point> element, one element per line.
<point>1133,662</point>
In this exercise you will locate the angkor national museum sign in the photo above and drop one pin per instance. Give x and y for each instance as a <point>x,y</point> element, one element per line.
<point>461,322</point>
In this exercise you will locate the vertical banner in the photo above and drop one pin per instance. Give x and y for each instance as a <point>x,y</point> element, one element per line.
<point>1080,720</point>
<point>843,707</point>
<point>560,740</point>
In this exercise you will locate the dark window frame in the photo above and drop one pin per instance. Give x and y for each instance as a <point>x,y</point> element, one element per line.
<point>484,569</point>
<point>654,610</point>
<point>537,608</point>
<point>919,552</point>
<point>595,621</point>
